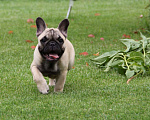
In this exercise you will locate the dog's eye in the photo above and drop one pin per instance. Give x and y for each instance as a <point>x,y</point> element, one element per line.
<point>44,39</point>
<point>60,40</point>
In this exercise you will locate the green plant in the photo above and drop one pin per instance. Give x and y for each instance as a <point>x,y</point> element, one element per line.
<point>133,61</point>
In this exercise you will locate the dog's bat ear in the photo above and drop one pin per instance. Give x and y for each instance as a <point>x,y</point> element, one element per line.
<point>63,27</point>
<point>41,26</point>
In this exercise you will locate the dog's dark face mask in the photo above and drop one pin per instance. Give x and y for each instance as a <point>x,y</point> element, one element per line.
<point>51,40</point>
<point>51,48</point>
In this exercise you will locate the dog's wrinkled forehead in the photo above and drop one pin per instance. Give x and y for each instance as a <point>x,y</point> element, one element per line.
<point>51,33</point>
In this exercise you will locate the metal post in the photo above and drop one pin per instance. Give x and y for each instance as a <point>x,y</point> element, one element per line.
<point>70,7</point>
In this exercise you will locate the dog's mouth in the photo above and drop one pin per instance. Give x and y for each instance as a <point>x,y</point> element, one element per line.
<point>51,56</point>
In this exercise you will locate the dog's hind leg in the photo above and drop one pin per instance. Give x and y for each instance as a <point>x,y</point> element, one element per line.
<point>52,82</point>
<point>60,81</point>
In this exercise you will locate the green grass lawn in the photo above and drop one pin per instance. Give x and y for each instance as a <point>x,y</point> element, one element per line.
<point>89,92</point>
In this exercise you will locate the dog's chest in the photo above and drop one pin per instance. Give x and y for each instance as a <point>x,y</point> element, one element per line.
<point>49,69</point>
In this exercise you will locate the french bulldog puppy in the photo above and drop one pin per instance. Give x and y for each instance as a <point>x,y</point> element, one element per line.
<point>53,56</point>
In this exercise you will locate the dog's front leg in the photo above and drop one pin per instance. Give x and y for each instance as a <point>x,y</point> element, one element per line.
<point>39,79</point>
<point>60,81</point>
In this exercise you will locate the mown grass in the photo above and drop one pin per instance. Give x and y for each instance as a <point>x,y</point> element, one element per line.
<point>89,92</point>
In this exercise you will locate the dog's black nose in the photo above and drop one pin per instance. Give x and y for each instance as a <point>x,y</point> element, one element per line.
<point>52,43</point>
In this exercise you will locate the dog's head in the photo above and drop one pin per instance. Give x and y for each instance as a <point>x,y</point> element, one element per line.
<point>51,40</point>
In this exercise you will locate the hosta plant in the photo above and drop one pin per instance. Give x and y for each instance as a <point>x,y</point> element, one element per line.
<point>133,61</point>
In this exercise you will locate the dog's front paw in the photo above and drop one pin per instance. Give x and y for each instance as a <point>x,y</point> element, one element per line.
<point>43,88</point>
<point>58,89</point>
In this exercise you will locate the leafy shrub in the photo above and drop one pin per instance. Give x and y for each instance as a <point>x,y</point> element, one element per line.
<point>133,61</point>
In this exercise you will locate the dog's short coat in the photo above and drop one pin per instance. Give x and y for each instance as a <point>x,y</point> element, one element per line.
<point>53,56</point>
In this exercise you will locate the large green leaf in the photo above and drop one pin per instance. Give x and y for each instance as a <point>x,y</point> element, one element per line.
<point>117,63</point>
<point>102,59</point>
<point>135,54</point>
<point>129,73</point>
<point>126,42</point>
<point>109,64</point>
<point>148,48</point>
<point>144,41</point>
<point>136,67</point>
<point>136,57</point>
<point>130,44</point>
<point>147,60</point>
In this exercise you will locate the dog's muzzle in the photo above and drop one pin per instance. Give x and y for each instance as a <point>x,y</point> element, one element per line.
<point>51,56</point>
<point>52,51</point>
